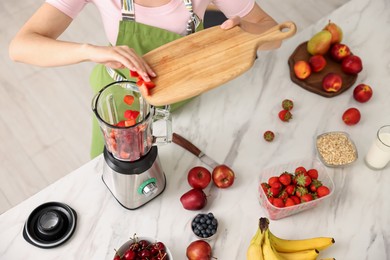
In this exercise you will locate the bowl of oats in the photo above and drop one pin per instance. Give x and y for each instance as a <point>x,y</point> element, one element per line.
<point>336,149</point>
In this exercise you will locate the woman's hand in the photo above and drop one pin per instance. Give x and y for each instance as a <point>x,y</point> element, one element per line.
<point>119,57</point>
<point>231,22</point>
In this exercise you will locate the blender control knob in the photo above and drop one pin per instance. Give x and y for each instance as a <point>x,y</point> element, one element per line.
<point>149,189</point>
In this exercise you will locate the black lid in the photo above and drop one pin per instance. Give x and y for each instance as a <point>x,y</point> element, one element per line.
<point>50,225</point>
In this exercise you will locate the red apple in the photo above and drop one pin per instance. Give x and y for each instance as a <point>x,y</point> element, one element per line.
<point>194,199</point>
<point>332,82</point>
<point>199,177</point>
<point>317,62</point>
<point>199,250</point>
<point>339,51</point>
<point>223,176</point>
<point>362,93</point>
<point>351,64</point>
<point>302,69</point>
<point>351,116</point>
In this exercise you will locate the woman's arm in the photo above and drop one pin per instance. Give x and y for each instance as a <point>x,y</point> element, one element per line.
<point>256,21</point>
<point>36,43</point>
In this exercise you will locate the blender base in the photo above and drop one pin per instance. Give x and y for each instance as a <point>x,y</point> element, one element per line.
<point>133,184</point>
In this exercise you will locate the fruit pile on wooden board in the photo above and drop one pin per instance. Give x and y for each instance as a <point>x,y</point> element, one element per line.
<point>325,65</point>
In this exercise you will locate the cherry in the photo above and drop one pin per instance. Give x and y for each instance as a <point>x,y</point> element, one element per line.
<point>159,246</point>
<point>143,244</point>
<point>129,255</point>
<point>145,253</point>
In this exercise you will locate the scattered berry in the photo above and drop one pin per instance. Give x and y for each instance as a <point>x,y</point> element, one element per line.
<point>285,115</point>
<point>287,104</point>
<point>269,136</point>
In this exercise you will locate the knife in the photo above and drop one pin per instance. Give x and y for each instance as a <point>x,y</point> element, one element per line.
<point>187,145</point>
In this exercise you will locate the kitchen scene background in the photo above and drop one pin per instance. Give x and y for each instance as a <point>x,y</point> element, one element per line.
<point>45,114</point>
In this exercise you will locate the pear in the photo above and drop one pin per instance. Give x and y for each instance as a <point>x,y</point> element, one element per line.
<point>319,43</point>
<point>335,30</point>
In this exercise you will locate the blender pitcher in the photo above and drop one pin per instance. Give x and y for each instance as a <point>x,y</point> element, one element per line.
<point>126,121</point>
<point>132,169</point>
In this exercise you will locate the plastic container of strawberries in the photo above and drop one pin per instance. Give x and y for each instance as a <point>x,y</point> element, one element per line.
<point>275,213</point>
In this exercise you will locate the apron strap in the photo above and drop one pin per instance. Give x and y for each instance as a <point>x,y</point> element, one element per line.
<point>128,10</point>
<point>194,20</point>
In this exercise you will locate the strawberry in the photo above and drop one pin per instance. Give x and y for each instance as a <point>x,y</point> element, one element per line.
<point>128,99</point>
<point>131,114</point>
<point>313,173</point>
<point>272,180</point>
<point>273,192</point>
<point>130,122</point>
<point>283,195</point>
<point>289,202</point>
<point>285,178</point>
<point>307,197</point>
<point>300,169</point>
<point>302,179</point>
<point>300,191</point>
<point>314,185</point>
<point>322,191</point>
<point>277,185</point>
<point>265,186</point>
<point>133,74</point>
<point>271,200</point>
<point>285,115</point>
<point>295,199</point>
<point>149,84</point>
<point>290,189</point>
<point>269,136</point>
<point>278,202</point>
<point>287,104</point>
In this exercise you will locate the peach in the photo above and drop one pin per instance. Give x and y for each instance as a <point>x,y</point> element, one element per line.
<point>339,51</point>
<point>302,69</point>
<point>332,82</point>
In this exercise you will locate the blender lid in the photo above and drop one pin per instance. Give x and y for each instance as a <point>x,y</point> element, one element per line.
<point>50,225</point>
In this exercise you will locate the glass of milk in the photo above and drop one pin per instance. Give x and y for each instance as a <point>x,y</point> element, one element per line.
<point>379,154</point>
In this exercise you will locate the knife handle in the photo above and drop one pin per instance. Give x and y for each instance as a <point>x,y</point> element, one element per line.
<point>181,141</point>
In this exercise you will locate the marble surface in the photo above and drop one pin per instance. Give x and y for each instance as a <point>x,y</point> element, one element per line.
<point>228,123</point>
<point>42,137</point>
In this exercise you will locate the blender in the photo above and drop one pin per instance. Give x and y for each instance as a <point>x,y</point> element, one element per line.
<point>131,170</point>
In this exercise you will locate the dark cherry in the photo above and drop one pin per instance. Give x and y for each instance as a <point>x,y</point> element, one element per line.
<point>129,255</point>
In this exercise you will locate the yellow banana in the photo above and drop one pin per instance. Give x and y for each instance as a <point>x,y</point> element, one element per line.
<point>289,246</point>
<point>255,251</point>
<point>300,255</point>
<point>268,251</point>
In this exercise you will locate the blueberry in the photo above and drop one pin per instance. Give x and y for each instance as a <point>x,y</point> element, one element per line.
<point>214,222</point>
<point>202,220</point>
<point>210,215</point>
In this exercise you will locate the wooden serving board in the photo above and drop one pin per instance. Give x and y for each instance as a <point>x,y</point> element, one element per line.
<point>204,60</point>
<point>314,82</point>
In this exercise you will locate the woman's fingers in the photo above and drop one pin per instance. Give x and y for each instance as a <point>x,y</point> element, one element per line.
<point>231,22</point>
<point>117,57</point>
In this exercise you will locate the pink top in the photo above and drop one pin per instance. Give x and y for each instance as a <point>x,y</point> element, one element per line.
<point>172,16</point>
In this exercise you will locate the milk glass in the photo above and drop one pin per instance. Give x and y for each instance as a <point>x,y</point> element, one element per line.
<point>378,155</point>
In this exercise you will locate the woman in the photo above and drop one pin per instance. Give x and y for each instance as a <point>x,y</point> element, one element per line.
<point>133,28</point>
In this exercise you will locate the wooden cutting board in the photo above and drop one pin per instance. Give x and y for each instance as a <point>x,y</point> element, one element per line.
<point>204,60</point>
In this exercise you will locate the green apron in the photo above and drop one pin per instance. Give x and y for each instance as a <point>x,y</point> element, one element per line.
<point>142,38</point>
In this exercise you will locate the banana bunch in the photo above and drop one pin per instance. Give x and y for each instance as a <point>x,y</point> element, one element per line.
<point>266,246</point>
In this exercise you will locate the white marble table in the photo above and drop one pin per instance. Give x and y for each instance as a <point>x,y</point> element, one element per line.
<point>227,123</point>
